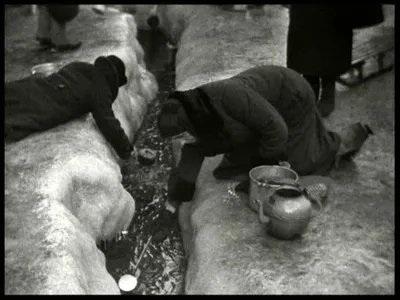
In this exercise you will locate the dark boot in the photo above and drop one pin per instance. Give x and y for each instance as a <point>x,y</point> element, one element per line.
<point>44,42</point>
<point>353,137</point>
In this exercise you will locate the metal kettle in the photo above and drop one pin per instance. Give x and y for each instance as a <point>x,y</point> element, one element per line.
<point>288,209</point>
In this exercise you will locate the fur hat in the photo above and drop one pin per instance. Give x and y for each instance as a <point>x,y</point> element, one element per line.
<point>113,68</point>
<point>168,120</point>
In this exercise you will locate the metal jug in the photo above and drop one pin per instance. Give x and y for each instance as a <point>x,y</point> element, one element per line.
<point>289,210</point>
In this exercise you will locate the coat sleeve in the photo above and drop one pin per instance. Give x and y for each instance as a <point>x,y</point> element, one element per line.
<point>248,107</point>
<point>182,180</point>
<point>111,128</point>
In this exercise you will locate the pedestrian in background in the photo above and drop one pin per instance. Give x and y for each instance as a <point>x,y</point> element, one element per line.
<point>52,27</point>
<point>320,40</point>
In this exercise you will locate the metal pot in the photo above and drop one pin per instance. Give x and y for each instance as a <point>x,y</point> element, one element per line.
<point>262,178</point>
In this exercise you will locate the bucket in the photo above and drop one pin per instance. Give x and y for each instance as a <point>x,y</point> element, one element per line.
<point>263,178</point>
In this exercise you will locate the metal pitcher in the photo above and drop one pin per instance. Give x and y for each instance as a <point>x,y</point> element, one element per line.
<point>280,201</point>
<point>290,211</point>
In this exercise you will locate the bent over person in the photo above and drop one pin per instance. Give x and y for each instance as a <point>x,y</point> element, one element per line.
<point>35,104</point>
<point>261,116</point>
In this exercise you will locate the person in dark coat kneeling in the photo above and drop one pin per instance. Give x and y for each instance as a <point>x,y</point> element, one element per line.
<point>262,116</point>
<point>35,104</point>
<point>320,40</point>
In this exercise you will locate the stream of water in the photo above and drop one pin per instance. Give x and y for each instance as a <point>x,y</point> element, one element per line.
<point>162,268</point>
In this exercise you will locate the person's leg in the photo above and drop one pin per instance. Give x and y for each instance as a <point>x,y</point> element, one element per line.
<point>232,165</point>
<point>239,161</point>
<point>172,50</point>
<point>314,81</point>
<point>59,37</point>
<point>43,32</point>
<point>326,103</point>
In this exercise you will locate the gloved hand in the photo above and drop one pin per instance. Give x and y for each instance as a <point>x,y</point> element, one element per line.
<point>179,189</point>
<point>128,165</point>
<point>243,186</point>
<point>164,224</point>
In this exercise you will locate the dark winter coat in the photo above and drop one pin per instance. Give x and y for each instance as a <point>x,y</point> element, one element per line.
<point>319,39</point>
<point>320,36</point>
<point>365,15</point>
<point>37,104</point>
<point>270,108</point>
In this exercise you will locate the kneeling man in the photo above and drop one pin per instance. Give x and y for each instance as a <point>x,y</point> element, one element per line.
<point>262,116</point>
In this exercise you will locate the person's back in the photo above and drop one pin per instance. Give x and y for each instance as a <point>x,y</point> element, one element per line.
<point>310,146</point>
<point>36,104</point>
<point>284,88</point>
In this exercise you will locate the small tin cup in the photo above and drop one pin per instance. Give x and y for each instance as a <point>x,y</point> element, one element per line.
<point>46,69</point>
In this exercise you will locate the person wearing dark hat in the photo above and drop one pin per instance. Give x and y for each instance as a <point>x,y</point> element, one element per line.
<point>35,104</point>
<point>263,116</point>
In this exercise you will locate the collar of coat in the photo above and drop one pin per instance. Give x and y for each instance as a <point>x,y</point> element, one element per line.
<point>82,77</point>
<point>200,111</point>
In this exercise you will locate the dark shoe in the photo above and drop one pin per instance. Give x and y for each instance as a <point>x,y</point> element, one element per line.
<point>243,187</point>
<point>45,43</point>
<point>353,137</point>
<point>67,47</point>
<point>164,225</point>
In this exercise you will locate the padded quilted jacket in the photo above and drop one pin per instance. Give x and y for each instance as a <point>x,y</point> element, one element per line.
<point>271,108</point>
<point>35,104</point>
